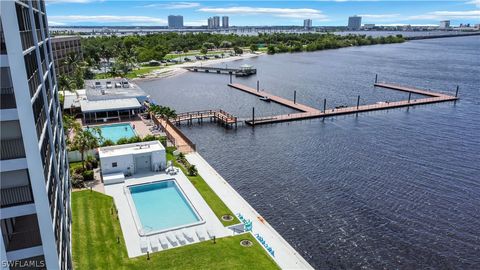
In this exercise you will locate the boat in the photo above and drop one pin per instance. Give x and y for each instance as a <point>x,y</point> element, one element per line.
<point>265,98</point>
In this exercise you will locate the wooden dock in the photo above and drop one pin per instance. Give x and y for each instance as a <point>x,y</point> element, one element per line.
<point>307,112</point>
<point>276,99</point>
<point>219,116</point>
<point>238,72</point>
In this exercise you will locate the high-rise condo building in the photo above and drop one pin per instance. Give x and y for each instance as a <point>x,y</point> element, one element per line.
<point>35,188</point>
<point>225,22</point>
<point>307,23</point>
<point>216,22</point>
<point>354,22</point>
<point>175,21</point>
<point>444,24</point>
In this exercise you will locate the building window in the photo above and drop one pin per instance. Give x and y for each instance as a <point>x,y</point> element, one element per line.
<point>114,164</point>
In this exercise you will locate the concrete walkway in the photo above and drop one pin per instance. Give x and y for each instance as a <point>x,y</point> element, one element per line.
<point>284,254</point>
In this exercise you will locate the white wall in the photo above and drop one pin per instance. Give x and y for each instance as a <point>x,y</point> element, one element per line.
<point>123,163</point>
<point>159,157</point>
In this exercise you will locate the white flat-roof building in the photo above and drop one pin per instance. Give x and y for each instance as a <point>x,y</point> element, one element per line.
<point>104,110</point>
<point>107,89</point>
<point>125,160</point>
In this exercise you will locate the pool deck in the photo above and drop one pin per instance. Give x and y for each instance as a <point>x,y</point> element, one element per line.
<point>285,255</point>
<point>127,222</point>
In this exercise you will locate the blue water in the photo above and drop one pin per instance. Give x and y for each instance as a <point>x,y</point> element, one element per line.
<point>393,189</point>
<point>116,131</point>
<point>161,206</point>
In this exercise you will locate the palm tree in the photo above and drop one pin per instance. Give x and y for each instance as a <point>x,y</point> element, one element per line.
<point>106,53</point>
<point>85,140</point>
<point>72,61</point>
<point>66,83</point>
<point>126,59</point>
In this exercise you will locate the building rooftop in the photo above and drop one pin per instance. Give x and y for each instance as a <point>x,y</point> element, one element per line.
<point>91,106</point>
<point>103,89</point>
<point>132,148</point>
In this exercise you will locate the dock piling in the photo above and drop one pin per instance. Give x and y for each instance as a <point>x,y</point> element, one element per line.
<point>295,96</point>
<point>230,77</point>
<point>358,101</point>
<point>456,91</point>
<point>409,96</point>
<point>324,104</point>
<point>258,85</point>
<point>376,77</point>
<point>253,116</point>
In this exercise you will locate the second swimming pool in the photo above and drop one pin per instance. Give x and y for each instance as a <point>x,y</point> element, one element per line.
<point>161,206</point>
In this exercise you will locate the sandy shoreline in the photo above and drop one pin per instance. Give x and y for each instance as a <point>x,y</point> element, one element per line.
<point>179,69</point>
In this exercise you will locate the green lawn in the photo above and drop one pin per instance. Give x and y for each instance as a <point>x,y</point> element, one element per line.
<point>132,74</point>
<point>95,231</point>
<point>212,199</point>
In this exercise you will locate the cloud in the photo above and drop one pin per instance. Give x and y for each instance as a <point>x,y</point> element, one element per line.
<point>53,23</point>
<point>474,2</point>
<point>379,16</point>
<point>294,13</point>
<point>174,5</point>
<point>195,22</point>
<point>134,20</point>
<point>71,1</point>
<point>443,15</point>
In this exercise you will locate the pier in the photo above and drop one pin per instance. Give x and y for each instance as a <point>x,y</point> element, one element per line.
<point>307,112</point>
<point>219,116</point>
<point>244,70</point>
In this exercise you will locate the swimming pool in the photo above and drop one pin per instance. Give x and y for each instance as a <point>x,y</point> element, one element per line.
<point>116,131</point>
<point>161,206</point>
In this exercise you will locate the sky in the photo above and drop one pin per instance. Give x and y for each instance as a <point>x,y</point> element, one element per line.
<point>258,13</point>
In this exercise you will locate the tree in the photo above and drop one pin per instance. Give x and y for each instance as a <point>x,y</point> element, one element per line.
<point>85,140</point>
<point>106,53</point>
<point>192,170</point>
<point>203,50</point>
<point>65,83</point>
<point>271,49</point>
<point>253,47</point>
<point>72,61</point>
<point>237,50</point>
<point>126,59</point>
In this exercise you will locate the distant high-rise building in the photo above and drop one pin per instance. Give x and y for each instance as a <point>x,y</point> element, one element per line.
<point>225,22</point>
<point>35,220</point>
<point>354,22</point>
<point>307,23</point>
<point>444,24</point>
<point>216,22</point>
<point>210,23</point>
<point>175,21</point>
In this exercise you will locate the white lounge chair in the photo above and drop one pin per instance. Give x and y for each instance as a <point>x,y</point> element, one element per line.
<point>210,233</point>
<point>201,234</point>
<point>171,238</point>
<point>187,234</point>
<point>180,237</point>
<point>153,244</point>
<point>163,241</point>
<point>143,245</point>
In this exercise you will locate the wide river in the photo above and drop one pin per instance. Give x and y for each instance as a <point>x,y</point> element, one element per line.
<point>394,189</point>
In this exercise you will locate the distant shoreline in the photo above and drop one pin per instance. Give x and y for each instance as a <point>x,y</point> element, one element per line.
<point>442,36</point>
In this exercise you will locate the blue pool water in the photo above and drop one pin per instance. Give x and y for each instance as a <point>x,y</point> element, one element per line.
<point>161,205</point>
<point>117,131</point>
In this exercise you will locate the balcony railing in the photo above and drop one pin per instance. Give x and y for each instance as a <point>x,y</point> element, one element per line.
<point>7,98</point>
<point>40,123</point>
<point>27,39</point>
<point>39,35</point>
<point>16,196</point>
<point>12,148</point>
<point>33,83</point>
